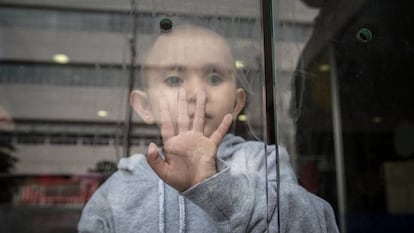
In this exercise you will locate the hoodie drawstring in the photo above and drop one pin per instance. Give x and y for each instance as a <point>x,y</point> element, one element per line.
<point>161,217</point>
<point>161,203</point>
<point>182,213</point>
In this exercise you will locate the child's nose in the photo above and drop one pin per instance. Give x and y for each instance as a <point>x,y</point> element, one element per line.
<point>193,87</point>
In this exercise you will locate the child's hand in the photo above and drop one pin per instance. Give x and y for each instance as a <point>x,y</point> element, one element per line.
<point>190,157</point>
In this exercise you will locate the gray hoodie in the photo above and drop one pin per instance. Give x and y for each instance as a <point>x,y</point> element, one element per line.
<point>134,199</point>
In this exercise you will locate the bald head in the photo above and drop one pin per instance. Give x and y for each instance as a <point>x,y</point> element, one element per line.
<point>190,47</point>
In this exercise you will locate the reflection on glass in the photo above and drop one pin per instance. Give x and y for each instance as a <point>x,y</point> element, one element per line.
<point>354,104</point>
<point>66,72</point>
<point>62,122</point>
<point>69,112</point>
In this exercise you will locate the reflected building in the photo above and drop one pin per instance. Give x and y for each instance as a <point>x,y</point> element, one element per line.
<point>65,72</point>
<point>343,93</point>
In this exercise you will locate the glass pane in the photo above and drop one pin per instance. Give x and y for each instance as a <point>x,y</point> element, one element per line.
<point>351,107</point>
<point>73,151</point>
<point>155,116</point>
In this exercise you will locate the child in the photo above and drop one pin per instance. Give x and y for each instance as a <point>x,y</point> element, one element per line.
<point>203,180</point>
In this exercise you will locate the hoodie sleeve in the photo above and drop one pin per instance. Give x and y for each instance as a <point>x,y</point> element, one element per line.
<point>301,211</point>
<point>232,200</point>
<point>97,215</point>
<point>237,202</point>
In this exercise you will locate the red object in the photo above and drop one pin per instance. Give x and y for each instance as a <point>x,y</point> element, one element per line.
<point>58,190</point>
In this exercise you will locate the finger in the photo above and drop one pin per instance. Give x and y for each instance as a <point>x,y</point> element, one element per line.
<point>199,114</point>
<point>183,120</point>
<point>166,125</point>
<point>224,126</point>
<point>155,161</point>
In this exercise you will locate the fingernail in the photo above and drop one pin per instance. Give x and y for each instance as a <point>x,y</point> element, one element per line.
<point>152,149</point>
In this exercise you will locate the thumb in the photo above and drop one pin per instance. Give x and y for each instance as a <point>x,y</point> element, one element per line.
<point>154,159</point>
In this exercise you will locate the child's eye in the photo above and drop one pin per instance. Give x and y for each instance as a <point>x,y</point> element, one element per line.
<point>214,79</point>
<point>173,81</point>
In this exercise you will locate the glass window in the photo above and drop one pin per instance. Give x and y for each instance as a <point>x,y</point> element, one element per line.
<point>352,107</point>
<point>70,135</point>
<point>110,110</point>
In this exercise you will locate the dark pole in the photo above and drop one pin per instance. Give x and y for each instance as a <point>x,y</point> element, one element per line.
<point>269,71</point>
<point>131,80</point>
<point>270,98</point>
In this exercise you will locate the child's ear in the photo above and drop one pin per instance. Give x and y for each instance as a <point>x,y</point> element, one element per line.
<point>240,102</point>
<point>139,102</point>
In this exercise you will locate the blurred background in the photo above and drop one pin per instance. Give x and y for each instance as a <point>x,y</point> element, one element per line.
<point>343,97</point>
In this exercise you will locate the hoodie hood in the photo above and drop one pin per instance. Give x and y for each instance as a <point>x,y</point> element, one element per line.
<point>256,156</point>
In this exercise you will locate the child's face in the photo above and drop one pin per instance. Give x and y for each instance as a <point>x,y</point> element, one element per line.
<point>197,62</point>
